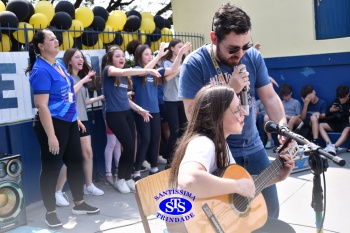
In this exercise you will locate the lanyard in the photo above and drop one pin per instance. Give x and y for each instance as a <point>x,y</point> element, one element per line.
<point>58,68</point>
<point>216,65</point>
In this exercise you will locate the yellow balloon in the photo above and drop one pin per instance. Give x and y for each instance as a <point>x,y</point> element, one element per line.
<point>155,45</point>
<point>98,45</point>
<point>45,8</point>
<point>67,41</point>
<point>108,34</point>
<point>39,20</point>
<point>2,6</point>
<point>76,29</point>
<point>147,25</point>
<point>121,14</point>
<point>116,21</point>
<point>167,35</point>
<point>147,15</point>
<point>127,37</point>
<point>140,35</point>
<point>20,34</point>
<point>84,15</point>
<point>5,44</point>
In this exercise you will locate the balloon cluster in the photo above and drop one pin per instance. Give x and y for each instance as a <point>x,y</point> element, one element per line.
<point>82,28</point>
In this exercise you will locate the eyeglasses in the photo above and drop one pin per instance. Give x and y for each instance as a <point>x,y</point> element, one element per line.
<point>239,111</point>
<point>235,49</point>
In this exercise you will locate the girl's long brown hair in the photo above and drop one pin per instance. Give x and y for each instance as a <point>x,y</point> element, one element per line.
<point>110,54</point>
<point>138,62</point>
<point>207,114</point>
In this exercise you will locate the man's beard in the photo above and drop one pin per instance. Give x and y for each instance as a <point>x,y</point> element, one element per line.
<point>226,61</point>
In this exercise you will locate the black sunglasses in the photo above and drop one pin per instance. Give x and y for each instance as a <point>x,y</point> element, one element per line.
<point>236,48</point>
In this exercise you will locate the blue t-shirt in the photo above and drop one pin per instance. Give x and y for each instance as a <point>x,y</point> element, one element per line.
<point>198,70</point>
<point>146,95</point>
<point>320,106</point>
<point>116,96</point>
<point>45,79</point>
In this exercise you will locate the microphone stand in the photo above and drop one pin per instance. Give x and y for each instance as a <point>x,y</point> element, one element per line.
<point>318,165</point>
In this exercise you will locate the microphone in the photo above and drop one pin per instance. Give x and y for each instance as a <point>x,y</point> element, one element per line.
<point>271,127</point>
<point>244,96</point>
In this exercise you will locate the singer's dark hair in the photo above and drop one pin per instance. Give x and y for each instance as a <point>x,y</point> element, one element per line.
<point>342,91</point>
<point>307,89</point>
<point>285,90</point>
<point>207,115</point>
<point>230,18</point>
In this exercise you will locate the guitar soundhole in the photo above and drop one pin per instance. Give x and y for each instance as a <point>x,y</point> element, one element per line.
<point>241,203</point>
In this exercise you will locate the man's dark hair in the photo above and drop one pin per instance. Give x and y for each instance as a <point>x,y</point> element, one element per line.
<point>342,91</point>
<point>285,90</point>
<point>229,18</point>
<point>306,90</point>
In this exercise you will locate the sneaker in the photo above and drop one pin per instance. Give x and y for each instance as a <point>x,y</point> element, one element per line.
<point>84,208</point>
<point>109,180</point>
<point>131,184</point>
<point>330,148</point>
<point>121,186</point>
<point>93,190</point>
<point>340,150</point>
<point>52,221</point>
<point>146,165</point>
<point>269,144</point>
<point>137,178</point>
<point>61,199</point>
<point>161,160</point>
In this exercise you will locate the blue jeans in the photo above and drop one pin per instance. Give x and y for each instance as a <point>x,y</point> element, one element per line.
<point>255,163</point>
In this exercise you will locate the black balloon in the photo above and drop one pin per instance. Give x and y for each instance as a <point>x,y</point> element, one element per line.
<point>133,12</point>
<point>118,39</point>
<point>78,43</point>
<point>61,20</point>
<point>132,24</point>
<point>156,35</point>
<point>65,6</point>
<point>167,23</point>
<point>159,21</point>
<point>100,11</point>
<point>8,19</point>
<point>20,8</point>
<point>31,11</point>
<point>98,24</point>
<point>89,37</point>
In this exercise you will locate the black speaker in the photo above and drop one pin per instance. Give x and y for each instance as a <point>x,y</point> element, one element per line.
<point>12,207</point>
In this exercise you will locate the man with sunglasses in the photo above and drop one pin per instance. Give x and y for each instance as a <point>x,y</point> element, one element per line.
<point>220,62</point>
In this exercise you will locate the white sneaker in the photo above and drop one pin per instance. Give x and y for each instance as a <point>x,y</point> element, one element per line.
<point>146,165</point>
<point>330,148</point>
<point>93,190</point>
<point>161,160</point>
<point>121,186</point>
<point>131,184</point>
<point>61,199</point>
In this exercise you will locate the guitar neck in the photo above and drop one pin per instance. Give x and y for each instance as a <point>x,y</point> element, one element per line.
<point>268,174</point>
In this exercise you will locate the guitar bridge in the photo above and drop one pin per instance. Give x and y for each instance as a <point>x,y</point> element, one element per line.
<point>214,221</point>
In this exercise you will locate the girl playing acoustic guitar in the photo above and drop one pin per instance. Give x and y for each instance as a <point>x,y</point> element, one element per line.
<point>234,200</point>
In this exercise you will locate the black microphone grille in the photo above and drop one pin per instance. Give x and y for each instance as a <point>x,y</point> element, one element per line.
<point>270,127</point>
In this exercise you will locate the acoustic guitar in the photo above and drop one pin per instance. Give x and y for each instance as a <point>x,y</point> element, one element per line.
<point>233,213</point>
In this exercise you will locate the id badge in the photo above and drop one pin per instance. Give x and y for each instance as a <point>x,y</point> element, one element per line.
<point>70,97</point>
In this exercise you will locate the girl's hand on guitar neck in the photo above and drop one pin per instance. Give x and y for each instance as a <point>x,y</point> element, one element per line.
<point>288,167</point>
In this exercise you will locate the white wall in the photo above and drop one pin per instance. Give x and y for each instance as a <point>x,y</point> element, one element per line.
<point>283,27</point>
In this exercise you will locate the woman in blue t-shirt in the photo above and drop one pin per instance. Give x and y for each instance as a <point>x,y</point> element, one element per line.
<point>55,125</point>
<point>118,112</point>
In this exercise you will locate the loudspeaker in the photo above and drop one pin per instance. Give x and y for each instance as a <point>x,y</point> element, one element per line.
<point>12,208</point>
